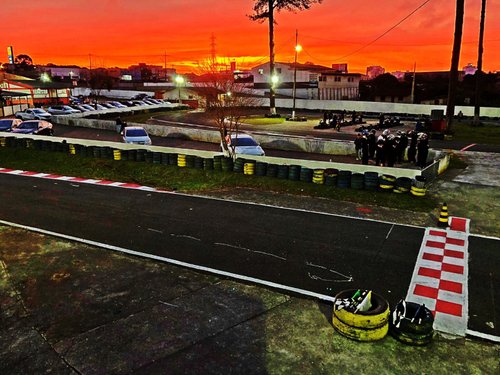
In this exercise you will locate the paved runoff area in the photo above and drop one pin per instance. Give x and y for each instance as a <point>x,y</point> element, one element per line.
<point>440,277</point>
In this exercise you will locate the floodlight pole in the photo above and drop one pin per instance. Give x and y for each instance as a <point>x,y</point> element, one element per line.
<point>297,49</point>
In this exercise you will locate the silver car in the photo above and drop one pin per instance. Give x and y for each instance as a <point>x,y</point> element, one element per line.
<point>245,145</point>
<point>136,135</point>
<point>62,110</point>
<point>33,114</point>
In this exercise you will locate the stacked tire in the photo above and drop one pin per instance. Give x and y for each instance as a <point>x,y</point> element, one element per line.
<point>181,160</point>
<point>370,180</point>
<point>272,170</point>
<point>344,179</point>
<point>227,164</point>
<point>294,172</point>
<point>282,172</point>
<point>357,181</point>
<point>318,176</point>
<point>410,330</point>
<point>386,182</point>
<point>331,176</point>
<point>371,325</point>
<point>249,168</point>
<point>218,162</point>
<point>306,174</point>
<point>238,165</point>
<point>402,185</point>
<point>208,164</point>
<point>260,168</point>
<point>418,186</point>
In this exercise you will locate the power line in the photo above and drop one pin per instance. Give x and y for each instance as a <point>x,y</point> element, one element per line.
<point>385,32</point>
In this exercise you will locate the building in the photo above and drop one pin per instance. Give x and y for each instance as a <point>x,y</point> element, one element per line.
<point>68,72</point>
<point>335,85</point>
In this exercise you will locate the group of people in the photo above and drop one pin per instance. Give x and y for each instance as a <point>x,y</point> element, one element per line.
<point>335,121</point>
<point>389,149</point>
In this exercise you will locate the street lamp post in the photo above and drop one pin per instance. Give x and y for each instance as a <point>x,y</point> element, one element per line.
<point>180,81</point>
<point>298,48</point>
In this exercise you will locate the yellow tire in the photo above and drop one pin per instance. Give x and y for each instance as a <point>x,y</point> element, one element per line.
<point>376,317</point>
<point>360,334</point>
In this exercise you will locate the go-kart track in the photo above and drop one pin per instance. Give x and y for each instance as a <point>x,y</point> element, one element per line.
<point>313,254</point>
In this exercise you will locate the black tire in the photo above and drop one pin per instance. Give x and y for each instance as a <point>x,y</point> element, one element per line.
<point>410,338</point>
<point>407,326</point>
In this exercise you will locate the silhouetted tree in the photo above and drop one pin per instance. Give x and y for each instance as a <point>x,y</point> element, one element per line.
<point>455,58</point>
<point>265,9</point>
<point>477,103</point>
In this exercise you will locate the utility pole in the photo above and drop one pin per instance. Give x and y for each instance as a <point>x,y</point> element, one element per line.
<point>165,66</point>
<point>479,71</point>
<point>297,49</point>
<point>412,99</point>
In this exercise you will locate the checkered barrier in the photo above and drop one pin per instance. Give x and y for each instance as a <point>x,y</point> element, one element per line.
<point>440,276</point>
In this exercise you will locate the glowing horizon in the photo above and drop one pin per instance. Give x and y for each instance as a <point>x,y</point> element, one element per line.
<point>122,33</point>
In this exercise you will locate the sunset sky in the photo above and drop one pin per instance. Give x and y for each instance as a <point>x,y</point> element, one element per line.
<point>125,32</point>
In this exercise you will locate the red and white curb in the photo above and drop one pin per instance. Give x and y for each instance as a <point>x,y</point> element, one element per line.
<point>49,176</point>
<point>440,276</point>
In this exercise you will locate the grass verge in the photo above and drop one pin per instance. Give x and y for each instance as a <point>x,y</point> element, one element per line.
<point>194,180</point>
<point>486,133</point>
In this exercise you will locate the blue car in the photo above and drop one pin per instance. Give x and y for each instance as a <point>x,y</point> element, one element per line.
<point>39,127</point>
<point>7,124</point>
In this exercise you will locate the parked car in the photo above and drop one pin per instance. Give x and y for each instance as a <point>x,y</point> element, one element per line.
<point>87,107</point>
<point>117,104</point>
<point>108,105</point>
<point>62,110</point>
<point>128,103</point>
<point>246,145</point>
<point>136,135</point>
<point>33,114</point>
<point>39,127</point>
<point>139,103</point>
<point>7,124</point>
<point>149,102</point>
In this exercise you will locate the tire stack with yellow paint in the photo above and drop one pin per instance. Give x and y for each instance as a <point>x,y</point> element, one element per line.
<point>318,176</point>
<point>386,182</point>
<point>181,160</point>
<point>418,187</point>
<point>371,325</point>
<point>249,168</point>
<point>117,154</point>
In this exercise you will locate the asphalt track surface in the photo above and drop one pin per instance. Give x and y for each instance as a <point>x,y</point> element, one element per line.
<point>315,252</point>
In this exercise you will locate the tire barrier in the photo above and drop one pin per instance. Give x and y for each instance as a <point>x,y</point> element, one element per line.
<point>218,162</point>
<point>181,160</point>
<point>357,181</point>
<point>238,165</point>
<point>386,182</point>
<point>294,172</point>
<point>282,173</point>
<point>272,170</point>
<point>208,164</point>
<point>402,185</point>
<point>344,179</point>
<point>361,315</point>
<point>140,155</point>
<point>227,164</point>
<point>260,168</point>
<point>306,174</point>
<point>331,176</point>
<point>198,162</point>
<point>318,176</point>
<point>370,180</point>
<point>249,168</point>
<point>190,159</point>
<point>117,155</point>
<point>411,323</point>
<point>156,157</point>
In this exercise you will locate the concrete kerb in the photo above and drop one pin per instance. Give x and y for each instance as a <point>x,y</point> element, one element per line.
<point>276,141</point>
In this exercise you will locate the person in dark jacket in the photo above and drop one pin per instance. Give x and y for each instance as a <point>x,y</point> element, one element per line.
<point>422,150</point>
<point>357,145</point>
<point>372,144</point>
<point>364,150</point>
<point>390,150</point>
<point>412,149</point>
<point>403,144</point>
<point>380,154</point>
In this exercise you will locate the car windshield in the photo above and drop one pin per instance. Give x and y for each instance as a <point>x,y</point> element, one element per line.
<point>38,111</point>
<point>29,125</point>
<point>243,142</point>
<point>136,133</point>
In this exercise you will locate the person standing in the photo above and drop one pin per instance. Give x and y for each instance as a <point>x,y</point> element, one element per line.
<point>372,143</point>
<point>390,150</point>
<point>403,144</point>
<point>422,150</point>
<point>364,150</point>
<point>358,142</point>
<point>380,154</point>
<point>412,149</point>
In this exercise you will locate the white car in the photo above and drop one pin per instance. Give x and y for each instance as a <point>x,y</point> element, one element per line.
<point>33,114</point>
<point>243,144</point>
<point>136,135</point>
<point>62,110</point>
